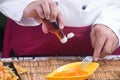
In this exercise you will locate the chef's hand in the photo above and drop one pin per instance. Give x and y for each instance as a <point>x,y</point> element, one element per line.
<point>44,9</point>
<point>103,40</point>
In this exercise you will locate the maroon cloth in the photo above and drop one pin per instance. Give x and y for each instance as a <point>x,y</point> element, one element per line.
<point>31,41</point>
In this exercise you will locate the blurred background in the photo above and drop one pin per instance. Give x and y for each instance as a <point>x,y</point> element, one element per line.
<point>2,28</point>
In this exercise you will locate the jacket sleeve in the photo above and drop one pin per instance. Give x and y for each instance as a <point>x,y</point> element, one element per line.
<point>110,16</point>
<point>14,10</point>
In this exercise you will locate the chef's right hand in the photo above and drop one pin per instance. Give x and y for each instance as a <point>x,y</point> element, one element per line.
<point>44,9</point>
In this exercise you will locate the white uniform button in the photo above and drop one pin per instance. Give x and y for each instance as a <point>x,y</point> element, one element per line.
<point>84,7</point>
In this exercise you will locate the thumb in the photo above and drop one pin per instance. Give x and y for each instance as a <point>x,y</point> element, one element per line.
<point>44,28</point>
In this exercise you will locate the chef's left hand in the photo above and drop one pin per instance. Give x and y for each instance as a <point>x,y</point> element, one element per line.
<point>104,41</point>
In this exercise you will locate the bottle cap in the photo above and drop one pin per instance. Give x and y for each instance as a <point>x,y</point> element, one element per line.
<point>63,40</point>
<point>70,35</point>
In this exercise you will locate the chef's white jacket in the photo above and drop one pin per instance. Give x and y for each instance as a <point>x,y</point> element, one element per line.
<point>106,12</point>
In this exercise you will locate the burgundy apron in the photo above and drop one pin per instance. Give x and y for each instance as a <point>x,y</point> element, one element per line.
<point>31,41</point>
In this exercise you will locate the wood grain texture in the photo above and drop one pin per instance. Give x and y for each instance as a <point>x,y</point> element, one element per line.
<point>38,67</point>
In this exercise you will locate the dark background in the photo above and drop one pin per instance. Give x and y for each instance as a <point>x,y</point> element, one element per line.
<point>2,28</point>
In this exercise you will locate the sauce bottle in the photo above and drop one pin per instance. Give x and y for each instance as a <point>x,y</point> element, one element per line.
<point>54,28</point>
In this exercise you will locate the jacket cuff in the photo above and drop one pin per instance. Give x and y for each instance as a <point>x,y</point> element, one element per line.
<point>14,9</point>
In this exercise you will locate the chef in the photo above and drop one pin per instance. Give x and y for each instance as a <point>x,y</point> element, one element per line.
<point>96,25</point>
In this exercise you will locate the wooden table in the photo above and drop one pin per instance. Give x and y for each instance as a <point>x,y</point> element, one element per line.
<point>38,67</point>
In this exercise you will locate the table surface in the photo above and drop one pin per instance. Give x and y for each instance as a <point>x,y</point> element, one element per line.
<point>38,67</point>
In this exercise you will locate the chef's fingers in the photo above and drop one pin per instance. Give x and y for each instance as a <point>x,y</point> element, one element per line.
<point>46,9</point>
<point>100,41</point>
<point>60,20</point>
<point>107,48</point>
<point>40,12</point>
<point>45,29</point>
<point>93,38</point>
<point>53,11</point>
